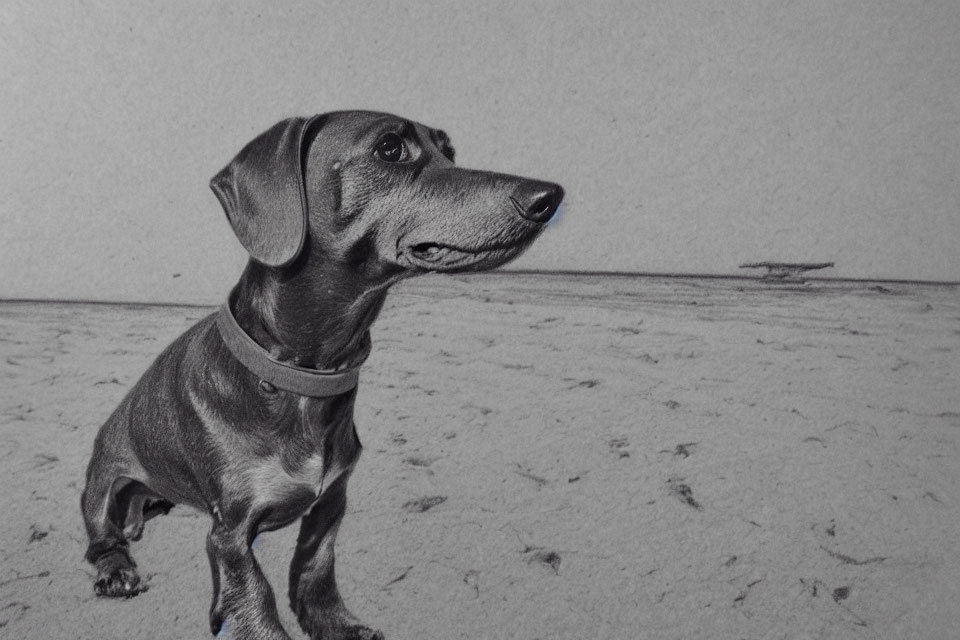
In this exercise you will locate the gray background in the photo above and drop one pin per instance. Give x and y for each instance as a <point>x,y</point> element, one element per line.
<point>691,136</point>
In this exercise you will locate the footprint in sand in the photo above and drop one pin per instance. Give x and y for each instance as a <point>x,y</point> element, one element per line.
<point>420,505</point>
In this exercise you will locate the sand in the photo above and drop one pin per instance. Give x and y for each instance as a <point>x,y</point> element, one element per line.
<point>553,457</point>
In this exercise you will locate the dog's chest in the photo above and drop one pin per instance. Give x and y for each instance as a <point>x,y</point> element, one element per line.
<point>287,484</point>
<point>287,493</point>
<point>269,477</point>
<point>281,470</point>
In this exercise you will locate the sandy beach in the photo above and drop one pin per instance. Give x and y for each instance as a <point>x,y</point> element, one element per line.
<point>553,457</point>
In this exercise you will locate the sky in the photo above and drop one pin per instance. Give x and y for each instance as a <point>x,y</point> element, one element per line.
<point>690,136</point>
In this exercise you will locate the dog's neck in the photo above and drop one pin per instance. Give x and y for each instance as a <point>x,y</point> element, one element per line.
<point>306,318</point>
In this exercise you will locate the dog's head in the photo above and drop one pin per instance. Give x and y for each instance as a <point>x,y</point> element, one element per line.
<point>378,194</point>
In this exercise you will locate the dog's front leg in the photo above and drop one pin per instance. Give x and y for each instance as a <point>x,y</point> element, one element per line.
<point>314,596</point>
<point>243,603</point>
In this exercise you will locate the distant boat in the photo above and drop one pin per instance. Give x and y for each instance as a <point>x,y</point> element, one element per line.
<point>789,271</point>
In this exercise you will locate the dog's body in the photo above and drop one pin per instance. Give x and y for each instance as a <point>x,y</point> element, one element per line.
<point>333,210</point>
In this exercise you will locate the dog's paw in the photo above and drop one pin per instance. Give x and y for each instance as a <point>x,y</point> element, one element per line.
<point>119,583</point>
<point>360,632</point>
<point>220,629</point>
<point>349,632</point>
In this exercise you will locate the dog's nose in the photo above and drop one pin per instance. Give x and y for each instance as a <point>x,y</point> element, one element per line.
<point>537,201</point>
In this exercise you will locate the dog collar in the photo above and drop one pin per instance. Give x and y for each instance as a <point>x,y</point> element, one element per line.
<point>315,383</point>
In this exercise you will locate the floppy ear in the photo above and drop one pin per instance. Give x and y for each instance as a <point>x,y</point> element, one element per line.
<point>262,193</point>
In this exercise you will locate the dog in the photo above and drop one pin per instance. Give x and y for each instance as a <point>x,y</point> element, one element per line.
<point>248,416</point>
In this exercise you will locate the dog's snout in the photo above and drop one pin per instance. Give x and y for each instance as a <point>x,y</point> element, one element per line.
<point>537,201</point>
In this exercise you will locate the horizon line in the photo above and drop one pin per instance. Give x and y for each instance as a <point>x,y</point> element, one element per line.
<point>714,276</point>
<point>531,272</point>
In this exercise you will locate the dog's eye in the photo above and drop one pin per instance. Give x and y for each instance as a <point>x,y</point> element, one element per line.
<point>391,148</point>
